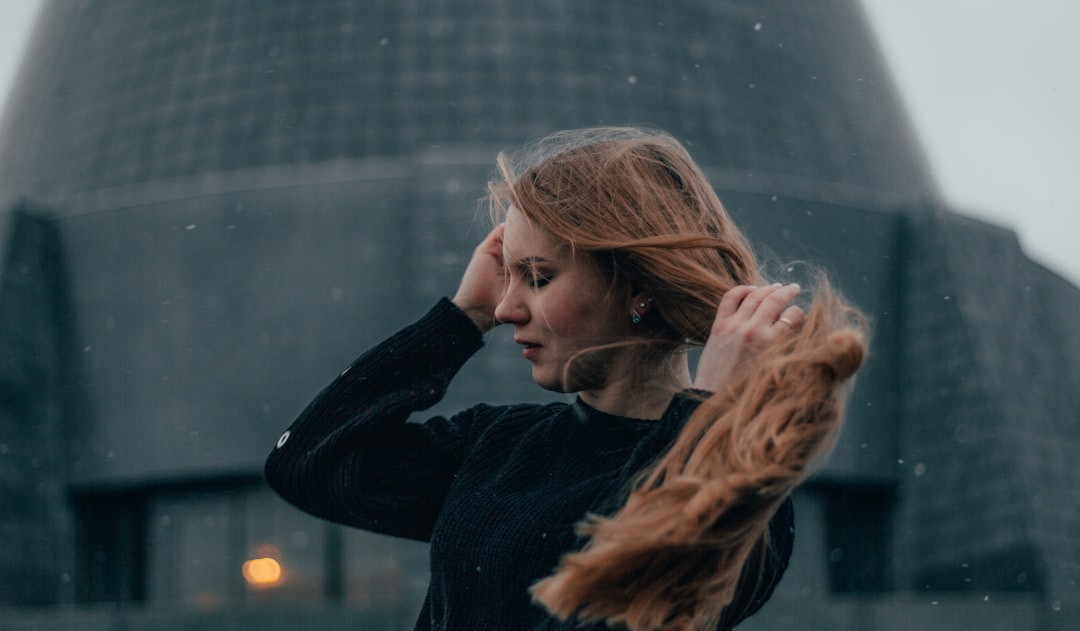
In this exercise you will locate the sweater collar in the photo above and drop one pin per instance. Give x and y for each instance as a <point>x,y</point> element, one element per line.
<point>603,420</point>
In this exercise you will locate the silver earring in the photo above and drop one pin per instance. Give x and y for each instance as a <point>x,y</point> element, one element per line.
<point>634,317</point>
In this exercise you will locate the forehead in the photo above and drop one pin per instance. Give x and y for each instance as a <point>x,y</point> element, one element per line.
<point>525,239</point>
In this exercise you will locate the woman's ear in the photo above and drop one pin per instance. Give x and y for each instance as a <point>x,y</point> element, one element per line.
<point>641,303</point>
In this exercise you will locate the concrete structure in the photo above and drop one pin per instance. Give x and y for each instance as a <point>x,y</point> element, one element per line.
<point>211,207</point>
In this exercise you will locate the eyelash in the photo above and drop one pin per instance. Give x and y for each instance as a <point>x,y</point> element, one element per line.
<point>534,278</point>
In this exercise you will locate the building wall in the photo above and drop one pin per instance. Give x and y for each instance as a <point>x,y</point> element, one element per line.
<point>989,372</point>
<point>37,396</point>
<point>237,198</point>
<point>121,93</point>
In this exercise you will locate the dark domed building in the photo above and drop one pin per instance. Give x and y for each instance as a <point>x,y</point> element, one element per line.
<point>209,207</point>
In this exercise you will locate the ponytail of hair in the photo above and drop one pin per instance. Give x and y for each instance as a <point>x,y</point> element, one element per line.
<point>672,555</point>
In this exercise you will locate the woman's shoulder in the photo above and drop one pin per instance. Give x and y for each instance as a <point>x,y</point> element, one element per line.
<point>486,415</point>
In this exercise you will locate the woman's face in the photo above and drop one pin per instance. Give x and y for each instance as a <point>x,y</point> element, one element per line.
<point>560,303</point>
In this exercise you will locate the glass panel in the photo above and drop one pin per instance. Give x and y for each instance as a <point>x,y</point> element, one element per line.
<point>858,540</point>
<point>190,553</point>
<point>385,573</point>
<point>285,553</point>
<point>112,549</point>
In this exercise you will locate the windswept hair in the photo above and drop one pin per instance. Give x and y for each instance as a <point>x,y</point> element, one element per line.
<point>672,555</point>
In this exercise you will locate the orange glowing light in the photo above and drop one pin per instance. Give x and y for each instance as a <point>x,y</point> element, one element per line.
<point>265,572</point>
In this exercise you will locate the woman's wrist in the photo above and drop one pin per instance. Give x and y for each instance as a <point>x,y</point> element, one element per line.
<point>482,318</point>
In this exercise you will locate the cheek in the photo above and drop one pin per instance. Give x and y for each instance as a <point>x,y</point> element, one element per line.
<point>571,314</point>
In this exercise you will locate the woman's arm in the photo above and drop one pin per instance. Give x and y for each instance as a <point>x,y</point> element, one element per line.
<point>352,457</point>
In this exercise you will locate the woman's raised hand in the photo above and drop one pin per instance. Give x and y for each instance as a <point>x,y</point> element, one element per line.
<point>747,320</point>
<point>484,281</point>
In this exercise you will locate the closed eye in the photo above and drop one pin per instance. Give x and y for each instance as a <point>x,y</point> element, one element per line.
<point>537,280</point>
<point>532,275</point>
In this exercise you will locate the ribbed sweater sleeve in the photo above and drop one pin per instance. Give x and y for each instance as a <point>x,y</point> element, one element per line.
<point>352,458</point>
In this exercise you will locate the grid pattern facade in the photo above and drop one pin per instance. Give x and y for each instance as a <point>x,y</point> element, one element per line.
<point>124,92</point>
<point>991,405</point>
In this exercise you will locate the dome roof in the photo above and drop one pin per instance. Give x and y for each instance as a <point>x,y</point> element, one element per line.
<point>126,92</point>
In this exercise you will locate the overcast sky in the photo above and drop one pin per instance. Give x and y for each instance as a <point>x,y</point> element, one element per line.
<point>991,87</point>
<point>994,93</point>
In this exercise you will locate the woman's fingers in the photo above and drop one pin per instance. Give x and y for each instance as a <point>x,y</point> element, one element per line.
<point>747,320</point>
<point>792,318</point>
<point>492,243</point>
<point>482,283</point>
<point>763,305</point>
<point>755,299</point>
<point>732,299</point>
<point>773,304</point>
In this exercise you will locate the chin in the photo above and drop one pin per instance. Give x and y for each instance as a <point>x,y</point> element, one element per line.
<point>558,384</point>
<point>548,382</point>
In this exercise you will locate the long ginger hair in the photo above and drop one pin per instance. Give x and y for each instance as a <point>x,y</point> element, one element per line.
<point>673,553</point>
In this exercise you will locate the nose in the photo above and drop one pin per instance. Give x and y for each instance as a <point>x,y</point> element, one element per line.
<point>511,308</point>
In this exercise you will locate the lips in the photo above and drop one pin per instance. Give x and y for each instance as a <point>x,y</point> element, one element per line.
<point>529,349</point>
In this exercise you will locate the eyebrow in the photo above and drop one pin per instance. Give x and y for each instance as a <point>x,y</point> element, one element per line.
<point>529,263</point>
<point>529,260</point>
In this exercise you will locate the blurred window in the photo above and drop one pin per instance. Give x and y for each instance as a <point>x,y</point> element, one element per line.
<point>858,539</point>
<point>112,548</point>
<point>210,546</point>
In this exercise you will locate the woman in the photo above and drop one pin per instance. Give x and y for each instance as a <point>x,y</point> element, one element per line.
<point>656,499</point>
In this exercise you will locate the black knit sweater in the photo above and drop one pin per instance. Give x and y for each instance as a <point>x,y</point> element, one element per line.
<point>495,489</point>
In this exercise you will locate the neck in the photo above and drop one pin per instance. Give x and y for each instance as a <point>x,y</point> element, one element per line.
<point>644,397</point>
